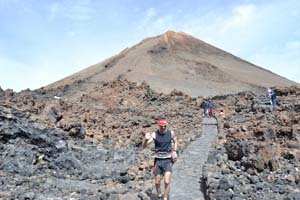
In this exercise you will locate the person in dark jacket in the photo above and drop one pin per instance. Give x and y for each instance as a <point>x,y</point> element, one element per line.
<point>273,99</point>
<point>210,107</point>
<point>204,107</point>
<point>164,155</point>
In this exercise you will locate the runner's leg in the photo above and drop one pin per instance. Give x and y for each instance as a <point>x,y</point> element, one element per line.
<point>157,184</point>
<point>167,184</point>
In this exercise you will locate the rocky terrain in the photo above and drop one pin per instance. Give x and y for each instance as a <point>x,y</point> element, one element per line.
<point>55,145</point>
<point>88,147</point>
<point>257,155</point>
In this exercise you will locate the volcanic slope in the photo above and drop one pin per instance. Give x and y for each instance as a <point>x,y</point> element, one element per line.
<point>176,60</point>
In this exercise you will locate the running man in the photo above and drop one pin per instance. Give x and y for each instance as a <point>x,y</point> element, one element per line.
<point>164,155</point>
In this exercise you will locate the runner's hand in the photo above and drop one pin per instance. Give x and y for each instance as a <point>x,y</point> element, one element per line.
<point>147,135</point>
<point>174,155</point>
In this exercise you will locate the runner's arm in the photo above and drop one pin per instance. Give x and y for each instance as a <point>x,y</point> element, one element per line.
<point>175,141</point>
<point>175,149</point>
<point>147,140</point>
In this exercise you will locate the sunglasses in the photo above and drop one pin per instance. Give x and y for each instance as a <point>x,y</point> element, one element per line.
<point>163,126</point>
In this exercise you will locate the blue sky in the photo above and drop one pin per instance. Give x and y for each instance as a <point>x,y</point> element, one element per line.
<point>44,41</point>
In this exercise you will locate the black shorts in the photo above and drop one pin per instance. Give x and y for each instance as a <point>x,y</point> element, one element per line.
<point>162,165</point>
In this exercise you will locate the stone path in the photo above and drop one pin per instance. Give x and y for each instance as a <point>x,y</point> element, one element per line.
<point>187,171</point>
<point>263,102</point>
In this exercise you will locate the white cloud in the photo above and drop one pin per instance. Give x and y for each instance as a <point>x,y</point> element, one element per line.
<point>73,10</point>
<point>148,17</point>
<point>23,74</point>
<point>54,10</point>
<point>297,32</point>
<point>152,23</point>
<point>283,60</point>
<point>10,78</point>
<point>163,23</point>
<point>80,13</point>
<point>151,12</point>
<point>293,45</point>
<point>240,17</point>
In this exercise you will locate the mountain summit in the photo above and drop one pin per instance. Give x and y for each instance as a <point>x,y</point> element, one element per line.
<point>176,60</point>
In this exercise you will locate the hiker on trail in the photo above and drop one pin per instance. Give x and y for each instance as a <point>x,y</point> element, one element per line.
<point>210,107</point>
<point>164,156</point>
<point>273,99</point>
<point>204,107</point>
<point>270,94</point>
